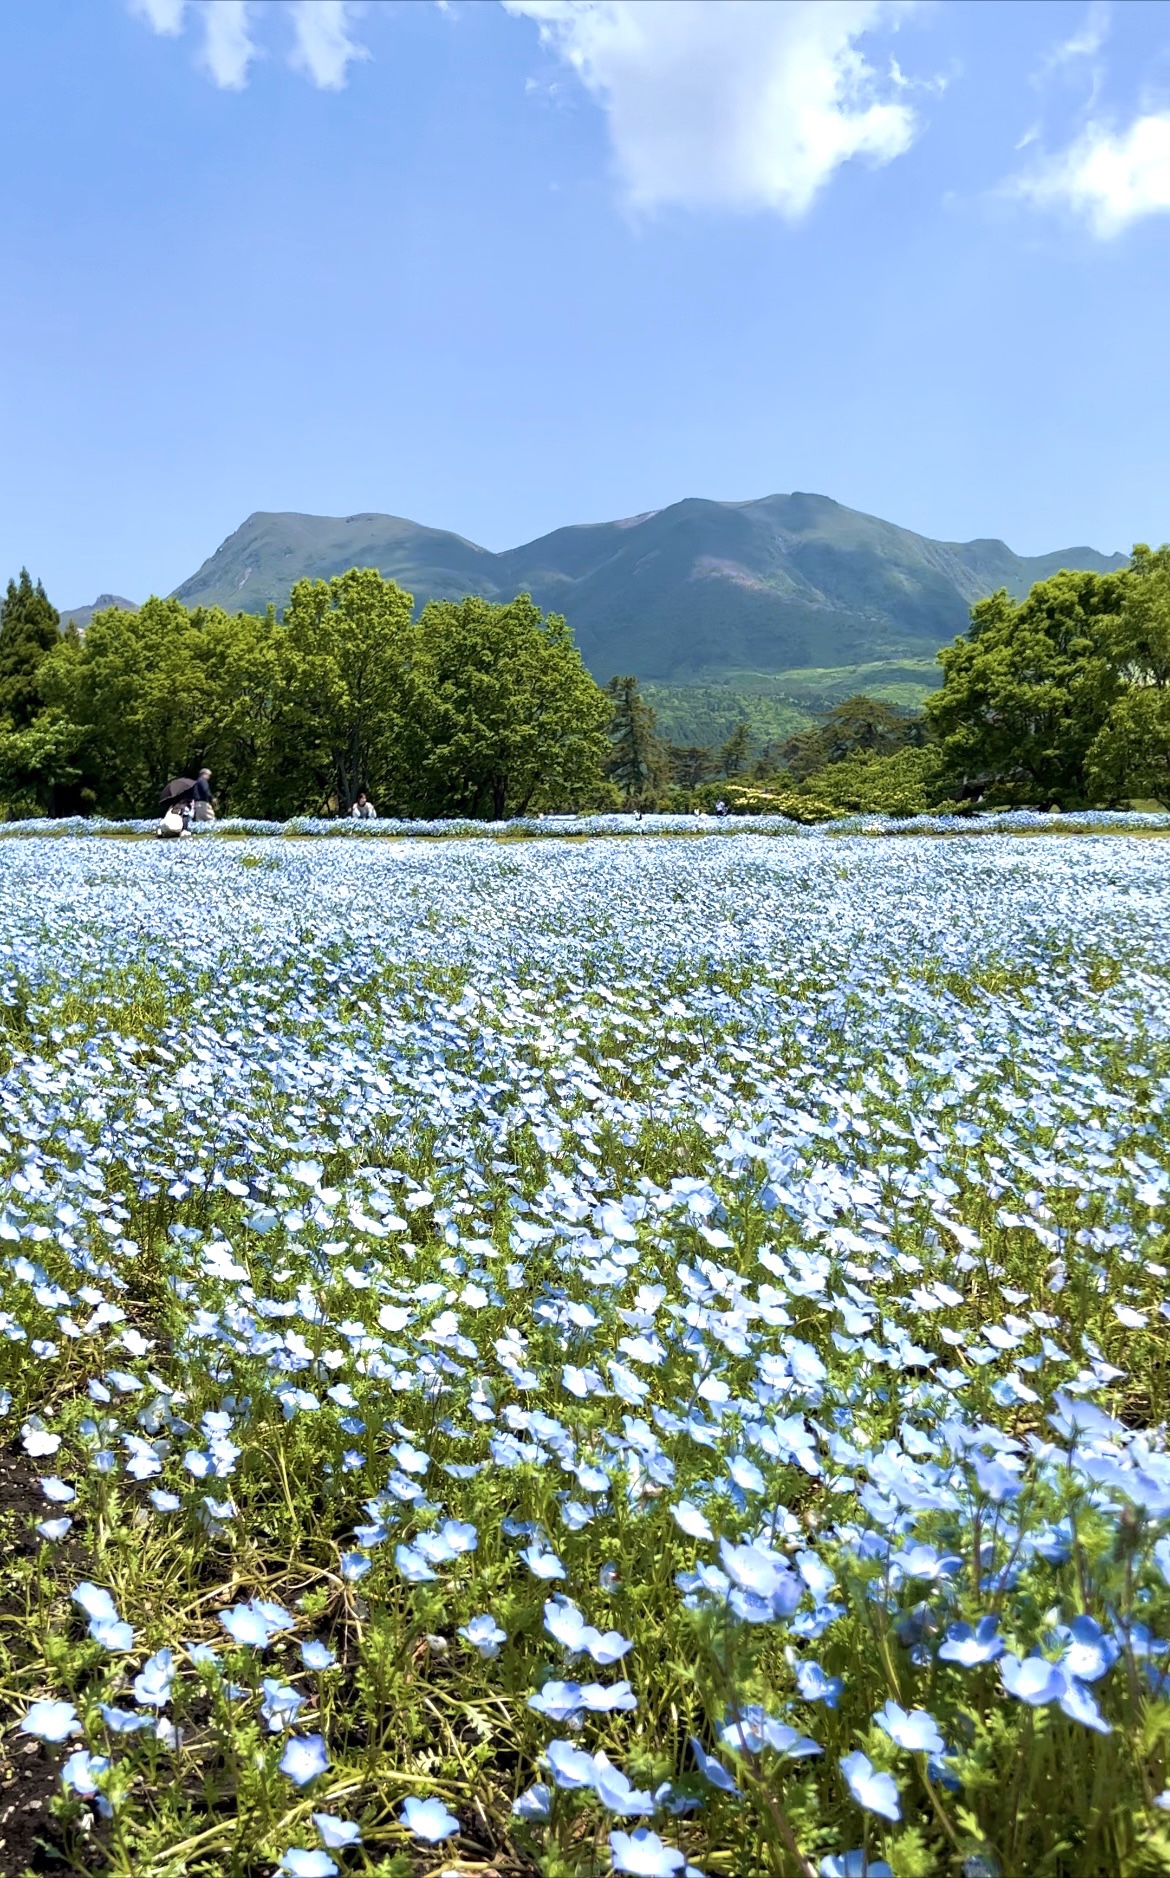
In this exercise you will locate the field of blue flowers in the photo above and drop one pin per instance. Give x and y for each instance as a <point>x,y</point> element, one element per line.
<point>643,1356</point>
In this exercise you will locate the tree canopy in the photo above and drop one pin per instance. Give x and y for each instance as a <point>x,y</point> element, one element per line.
<point>29,630</point>
<point>469,709</point>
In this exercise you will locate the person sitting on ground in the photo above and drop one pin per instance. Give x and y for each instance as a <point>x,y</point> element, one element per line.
<point>363,808</point>
<point>204,806</point>
<point>175,821</point>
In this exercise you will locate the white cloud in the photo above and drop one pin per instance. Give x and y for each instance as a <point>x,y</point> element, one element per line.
<point>1110,178</point>
<point>1085,42</point>
<point>323,47</point>
<point>228,47</point>
<point>743,104</point>
<point>165,16</point>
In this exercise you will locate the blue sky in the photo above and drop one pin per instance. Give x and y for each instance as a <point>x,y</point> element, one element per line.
<point>504,267</point>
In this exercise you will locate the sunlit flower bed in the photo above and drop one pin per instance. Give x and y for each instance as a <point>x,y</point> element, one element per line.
<point>635,1355</point>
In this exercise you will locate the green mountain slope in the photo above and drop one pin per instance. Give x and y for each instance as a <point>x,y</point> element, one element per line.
<point>682,595</point>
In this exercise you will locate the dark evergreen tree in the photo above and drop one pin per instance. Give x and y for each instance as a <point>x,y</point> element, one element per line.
<point>690,764</point>
<point>637,763</point>
<point>733,758</point>
<point>29,628</point>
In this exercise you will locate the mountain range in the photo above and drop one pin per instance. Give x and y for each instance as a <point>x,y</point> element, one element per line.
<point>695,595</point>
<point>690,593</point>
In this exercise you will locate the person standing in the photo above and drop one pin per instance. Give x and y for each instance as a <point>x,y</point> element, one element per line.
<point>204,804</point>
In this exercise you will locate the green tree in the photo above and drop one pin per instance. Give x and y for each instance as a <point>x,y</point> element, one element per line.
<point>637,761</point>
<point>344,662</point>
<point>30,628</point>
<point>860,726</point>
<point>502,714</point>
<point>733,758</point>
<point>689,764</point>
<point>245,663</point>
<point>139,688</point>
<point>1027,689</point>
<point>1130,756</point>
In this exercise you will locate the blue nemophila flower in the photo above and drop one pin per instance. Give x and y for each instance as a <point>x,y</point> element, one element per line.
<point>280,1705</point>
<point>814,1686</point>
<point>913,1728</point>
<point>855,1864</point>
<point>565,1623</point>
<point>751,1729</point>
<point>876,1793</point>
<point>317,1655</point>
<point>255,1623</point>
<point>57,1490</point>
<point>969,1647</point>
<point>51,1721</point>
<point>1089,1652</point>
<point>560,1701</point>
<point>484,1634</point>
<point>644,1853</point>
<point>428,1819</point>
<point>82,1771</point>
<point>299,1863</point>
<point>124,1721</point>
<point>413,1566</point>
<point>533,1804</point>
<point>304,1758</point>
<point>694,1523</point>
<point>54,1529</point>
<point>335,1832</point>
<point>542,1562</point>
<point>713,1771</point>
<point>1033,1680</point>
<point>105,1625</point>
<point>571,1766</point>
<point>152,1685</point>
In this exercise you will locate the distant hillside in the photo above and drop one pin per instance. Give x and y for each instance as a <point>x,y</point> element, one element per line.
<point>683,595</point>
<point>80,616</point>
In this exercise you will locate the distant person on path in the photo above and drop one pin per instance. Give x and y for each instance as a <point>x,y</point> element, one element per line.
<point>363,808</point>
<point>721,807</point>
<point>204,806</point>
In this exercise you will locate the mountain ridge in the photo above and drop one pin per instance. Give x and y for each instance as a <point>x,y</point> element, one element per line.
<point>681,594</point>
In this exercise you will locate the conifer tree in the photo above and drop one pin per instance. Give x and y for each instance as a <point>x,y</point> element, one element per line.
<point>638,761</point>
<point>29,629</point>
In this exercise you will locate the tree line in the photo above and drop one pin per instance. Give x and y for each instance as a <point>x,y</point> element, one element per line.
<point>476,709</point>
<point>470,709</point>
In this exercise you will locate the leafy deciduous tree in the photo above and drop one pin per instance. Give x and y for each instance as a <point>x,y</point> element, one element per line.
<point>503,714</point>
<point>1026,690</point>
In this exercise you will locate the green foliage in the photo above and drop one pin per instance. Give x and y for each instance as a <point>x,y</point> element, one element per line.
<point>29,629</point>
<point>344,661</point>
<point>139,687</point>
<point>638,764</point>
<point>503,715</point>
<point>1028,688</point>
<point>471,709</point>
<point>1130,755</point>
<point>858,727</point>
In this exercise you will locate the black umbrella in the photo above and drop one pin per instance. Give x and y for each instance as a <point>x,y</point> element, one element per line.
<point>175,790</point>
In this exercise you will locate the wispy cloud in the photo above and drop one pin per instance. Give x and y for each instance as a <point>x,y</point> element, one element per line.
<point>1109,178</point>
<point>165,16</point>
<point>322,48</point>
<point>735,104</point>
<point>228,46</point>
<point>1085,43</point>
